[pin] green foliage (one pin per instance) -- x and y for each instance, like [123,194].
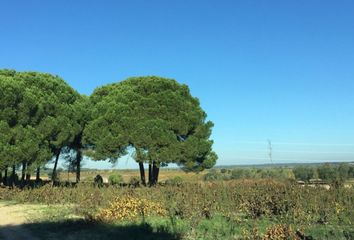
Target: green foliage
[177,181]
[238,173]
[327,172]
[35,115]
[40,115]
[157,117]
[212,175]
[115,179]
[248,173]
[304,173]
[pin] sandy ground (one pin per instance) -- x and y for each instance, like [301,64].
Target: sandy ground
[12,218]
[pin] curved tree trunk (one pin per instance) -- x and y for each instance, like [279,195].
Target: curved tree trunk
[142,173]
[54,173]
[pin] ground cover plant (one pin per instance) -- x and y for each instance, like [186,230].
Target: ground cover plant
[234,209]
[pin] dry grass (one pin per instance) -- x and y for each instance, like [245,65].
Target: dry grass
[127,174]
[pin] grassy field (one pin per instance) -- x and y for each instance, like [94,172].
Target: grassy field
[191,209]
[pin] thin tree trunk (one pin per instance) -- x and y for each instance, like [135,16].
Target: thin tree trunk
[28,177]
[0,177]
[54,173]
[38,174]
[13,175]
[153,173]
[150,174]
[23,172]
[157,174]
[5,175]
[78,164]
[142,173]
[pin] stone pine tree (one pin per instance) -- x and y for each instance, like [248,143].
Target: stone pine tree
[158,118]
[38,108]
[20,142]
[82,117]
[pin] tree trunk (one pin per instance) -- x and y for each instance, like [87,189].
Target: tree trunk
[23,172]
[150,174]
[13,175]
[38,174]
[142,173]
[54,173]
[78,164]
[0,177]
[155,174]
[5,176]
[28,177]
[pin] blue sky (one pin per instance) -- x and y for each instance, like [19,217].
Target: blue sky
[278,70]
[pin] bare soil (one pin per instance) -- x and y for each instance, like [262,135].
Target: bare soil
[12,219]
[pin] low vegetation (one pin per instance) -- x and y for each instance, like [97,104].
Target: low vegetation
[233,209]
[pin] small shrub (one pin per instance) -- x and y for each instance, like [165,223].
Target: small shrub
[212,175]
[279,232]
[98,180]
[130,208]
[237,173]
[115,179]
[176,181]
[134,182]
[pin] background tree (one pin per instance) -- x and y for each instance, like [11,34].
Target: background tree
[328,172]
[304,173]
[158,118]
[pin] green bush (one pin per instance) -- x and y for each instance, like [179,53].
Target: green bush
[115,179]
[212,175]
[175,181]
[237,173]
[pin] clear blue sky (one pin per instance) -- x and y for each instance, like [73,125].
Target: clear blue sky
[279,70]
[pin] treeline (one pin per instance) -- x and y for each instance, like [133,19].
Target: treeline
[329,173]
[249,173]
[154,119]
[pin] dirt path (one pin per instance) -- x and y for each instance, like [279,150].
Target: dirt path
[12,218]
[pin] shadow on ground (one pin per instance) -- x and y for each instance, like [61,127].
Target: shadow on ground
[80,229]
